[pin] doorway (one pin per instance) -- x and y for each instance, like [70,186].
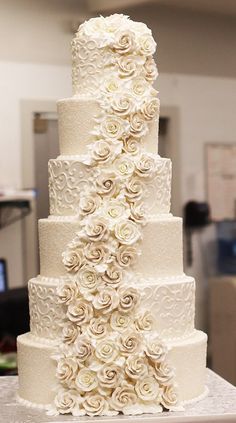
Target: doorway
[46,148]
[45,144]
[169,147]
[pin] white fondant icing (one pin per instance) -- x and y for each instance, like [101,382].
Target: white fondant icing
[161,246]
[162,249]
[171,302]
[69,179]
[76,120]
[37,381]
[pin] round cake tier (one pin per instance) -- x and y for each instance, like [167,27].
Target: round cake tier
[69,178]
[170,301]
[76,121]
[37,380]
[161,246]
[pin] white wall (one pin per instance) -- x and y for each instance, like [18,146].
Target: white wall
[20,81]
[37,31]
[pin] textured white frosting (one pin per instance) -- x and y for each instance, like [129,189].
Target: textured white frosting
[37,381]
[170,300]
[76,117]
[161,253]
[69,178]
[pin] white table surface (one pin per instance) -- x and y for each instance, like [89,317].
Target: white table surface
[218,406]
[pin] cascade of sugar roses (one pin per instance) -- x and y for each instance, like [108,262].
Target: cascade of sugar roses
[107,360]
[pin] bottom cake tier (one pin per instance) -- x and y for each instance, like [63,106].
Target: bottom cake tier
[37,369]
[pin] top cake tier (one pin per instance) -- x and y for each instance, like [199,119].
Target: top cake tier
[107,51]
[114,99]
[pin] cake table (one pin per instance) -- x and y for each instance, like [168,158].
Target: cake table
[218,406]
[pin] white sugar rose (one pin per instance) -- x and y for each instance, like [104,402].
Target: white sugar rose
[138,212]
[123,396]
[88,279]
[124,166]
[96,253]
[124,42]
[131,145]
[156,350]
[98,328]
[147,389]
[138,126]
[89,203]
[80,312]
[139,27]
[83,349]
[95,405]
[112,276]
[164,373]
[146,165]
[140,87]
[96,229]
[111,86]
[127,66]
[113,127]
[144,321]
[107,183]
[76,243]
[67,292]
[169,398]
[106,351]
[126,255]
[117,21]
[134,188]
[86,380]
[67,369]
[66,402]
[109,375]
[147,45]
[106,300]
[150,68]
[73,260]
[70,332]
[119,322]
[129,299]
[93,27]
[127,232]
[123,104]
[150,109]
[115,210]
[103,151]
[136,367]
[129,343]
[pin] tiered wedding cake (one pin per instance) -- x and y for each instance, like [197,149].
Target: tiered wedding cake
[112,313]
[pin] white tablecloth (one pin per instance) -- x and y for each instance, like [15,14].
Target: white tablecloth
[218,406]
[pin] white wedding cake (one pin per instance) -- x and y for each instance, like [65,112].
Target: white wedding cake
[111,313]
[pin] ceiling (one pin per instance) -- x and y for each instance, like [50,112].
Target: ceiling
[225,7]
